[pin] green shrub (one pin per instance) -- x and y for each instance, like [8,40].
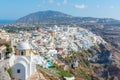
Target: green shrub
[64,73]
[9,72]
[85,51]
[55,66]
[84,73]
[87,63]
[9,48]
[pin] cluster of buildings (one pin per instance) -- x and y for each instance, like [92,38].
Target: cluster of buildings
[41,47]
[4,39]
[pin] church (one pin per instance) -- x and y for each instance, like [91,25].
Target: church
[21,62]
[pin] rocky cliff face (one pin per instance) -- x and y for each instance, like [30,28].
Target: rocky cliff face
[99,62]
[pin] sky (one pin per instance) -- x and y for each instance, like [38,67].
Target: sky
[14,9]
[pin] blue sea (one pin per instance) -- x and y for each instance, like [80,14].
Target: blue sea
[6,21]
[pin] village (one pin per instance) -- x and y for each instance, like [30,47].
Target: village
[22,52]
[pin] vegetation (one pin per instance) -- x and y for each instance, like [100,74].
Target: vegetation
[64,73]
[9,48]
[55,66]
[72,51]
[87,63]
[46,74]
[61,72]
[85,51]
[68,58]
[5,68]
[85,74]
[9,72]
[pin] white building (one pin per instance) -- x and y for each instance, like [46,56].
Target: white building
[22,62]
[2,52]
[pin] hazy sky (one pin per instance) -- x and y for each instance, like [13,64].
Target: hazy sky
[14,9]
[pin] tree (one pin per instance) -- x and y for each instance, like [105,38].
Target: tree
[9,72]
[9,48]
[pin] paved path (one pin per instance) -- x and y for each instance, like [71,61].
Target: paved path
[4,63]
[3,73]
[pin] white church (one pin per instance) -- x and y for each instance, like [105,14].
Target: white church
[21,62]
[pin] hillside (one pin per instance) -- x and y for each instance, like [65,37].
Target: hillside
[55,17]
[106,27]
[107,61]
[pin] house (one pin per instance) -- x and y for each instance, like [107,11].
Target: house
[39,60]
[59,50]
[52,33]
[5,38]
[3,74]
[22,63]
[41,31]
[2,52]
[74,64]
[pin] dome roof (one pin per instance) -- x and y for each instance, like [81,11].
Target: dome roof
[23,46]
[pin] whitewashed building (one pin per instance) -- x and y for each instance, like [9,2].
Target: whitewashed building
[22,63]
[2,52]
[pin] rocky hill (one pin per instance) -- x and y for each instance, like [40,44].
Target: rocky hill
[55,17]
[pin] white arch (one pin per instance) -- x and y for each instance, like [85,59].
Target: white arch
[22,66]
[22,58]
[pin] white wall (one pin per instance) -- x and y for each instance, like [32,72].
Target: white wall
[22,74]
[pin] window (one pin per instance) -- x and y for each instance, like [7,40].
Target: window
[18,71]
[0,55]
[22,53]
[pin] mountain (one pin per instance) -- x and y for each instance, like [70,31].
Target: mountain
[43,17]
[55,17]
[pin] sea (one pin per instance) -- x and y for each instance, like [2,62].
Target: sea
[6,21]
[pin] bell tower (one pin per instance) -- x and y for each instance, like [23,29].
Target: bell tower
[23,49]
